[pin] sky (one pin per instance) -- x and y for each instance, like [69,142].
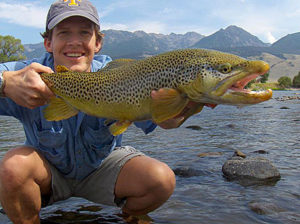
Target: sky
[269,20]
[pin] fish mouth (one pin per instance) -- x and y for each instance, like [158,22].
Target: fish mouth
[232,89]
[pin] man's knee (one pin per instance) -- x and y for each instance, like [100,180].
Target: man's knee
[143,177]
[17,166]
[13,169]
[162,179]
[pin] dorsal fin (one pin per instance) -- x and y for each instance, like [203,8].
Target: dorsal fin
[118,63]
[61,68]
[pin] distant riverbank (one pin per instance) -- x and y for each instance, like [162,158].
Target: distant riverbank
[270,85]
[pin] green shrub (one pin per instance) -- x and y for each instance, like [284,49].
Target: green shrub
[285,81]
[296,81]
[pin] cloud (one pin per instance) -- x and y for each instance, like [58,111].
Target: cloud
[26,14]
[267,21]
[271,39]
[148,27]
[113,26]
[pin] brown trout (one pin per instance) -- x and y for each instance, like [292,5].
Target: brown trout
[122,90]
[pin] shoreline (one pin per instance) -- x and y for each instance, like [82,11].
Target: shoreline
[271,85]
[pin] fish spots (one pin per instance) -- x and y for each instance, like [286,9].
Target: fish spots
[131,83]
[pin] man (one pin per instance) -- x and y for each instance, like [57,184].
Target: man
[77,156]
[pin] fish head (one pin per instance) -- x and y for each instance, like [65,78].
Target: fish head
[222,79]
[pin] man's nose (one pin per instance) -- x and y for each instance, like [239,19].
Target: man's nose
[75,40]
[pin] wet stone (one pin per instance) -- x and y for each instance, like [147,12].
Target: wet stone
[194,127]
[66,217]
[264,208]
[187,172]
[249,171]
[91,208]
[230,126]
[261,151]
[285,98]
[239,153]
[209,154]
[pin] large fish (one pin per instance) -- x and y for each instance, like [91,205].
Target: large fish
[122,90]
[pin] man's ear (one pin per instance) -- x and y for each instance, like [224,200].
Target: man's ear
[47,45]
[98,46]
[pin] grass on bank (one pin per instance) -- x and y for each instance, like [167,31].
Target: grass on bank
[264,86]
[269,85]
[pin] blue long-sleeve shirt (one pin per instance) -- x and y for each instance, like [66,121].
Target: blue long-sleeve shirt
[75,146]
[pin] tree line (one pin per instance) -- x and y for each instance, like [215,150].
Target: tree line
[287,82]
[11,49]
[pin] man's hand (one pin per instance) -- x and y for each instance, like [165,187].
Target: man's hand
[26,88]
[190,109]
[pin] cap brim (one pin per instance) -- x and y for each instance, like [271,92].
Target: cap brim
[66,15]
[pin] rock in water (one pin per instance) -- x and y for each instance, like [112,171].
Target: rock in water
[194,127]
[187,172]
[239,153]
[250,171]
[264,208]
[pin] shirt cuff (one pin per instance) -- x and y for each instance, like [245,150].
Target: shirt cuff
[146,126]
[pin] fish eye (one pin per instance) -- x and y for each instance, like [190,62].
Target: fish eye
[225,68]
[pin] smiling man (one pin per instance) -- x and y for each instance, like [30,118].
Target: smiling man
[76,157]
[74,45]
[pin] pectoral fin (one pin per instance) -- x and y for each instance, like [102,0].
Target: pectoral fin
[166,104]
[58,110]
[119,127]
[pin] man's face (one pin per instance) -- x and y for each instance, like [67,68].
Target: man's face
[73,44]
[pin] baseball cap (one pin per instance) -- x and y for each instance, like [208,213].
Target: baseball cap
[63,9]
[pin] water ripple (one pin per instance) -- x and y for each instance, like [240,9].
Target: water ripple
[209,197]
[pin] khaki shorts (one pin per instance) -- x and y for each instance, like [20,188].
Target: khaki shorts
[99,186]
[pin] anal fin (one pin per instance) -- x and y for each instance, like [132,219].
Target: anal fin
[119,127]
[58,109]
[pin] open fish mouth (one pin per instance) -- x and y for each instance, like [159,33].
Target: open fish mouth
[232,89]
[239,86]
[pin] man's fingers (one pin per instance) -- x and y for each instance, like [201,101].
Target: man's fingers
[39,68]
[47,93]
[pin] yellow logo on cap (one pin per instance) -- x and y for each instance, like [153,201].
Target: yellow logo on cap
[73,2]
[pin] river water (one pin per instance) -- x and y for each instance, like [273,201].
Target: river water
[206,196]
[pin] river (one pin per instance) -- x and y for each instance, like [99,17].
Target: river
[206,196]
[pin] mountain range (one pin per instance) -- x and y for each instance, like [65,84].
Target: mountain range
[233,39]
